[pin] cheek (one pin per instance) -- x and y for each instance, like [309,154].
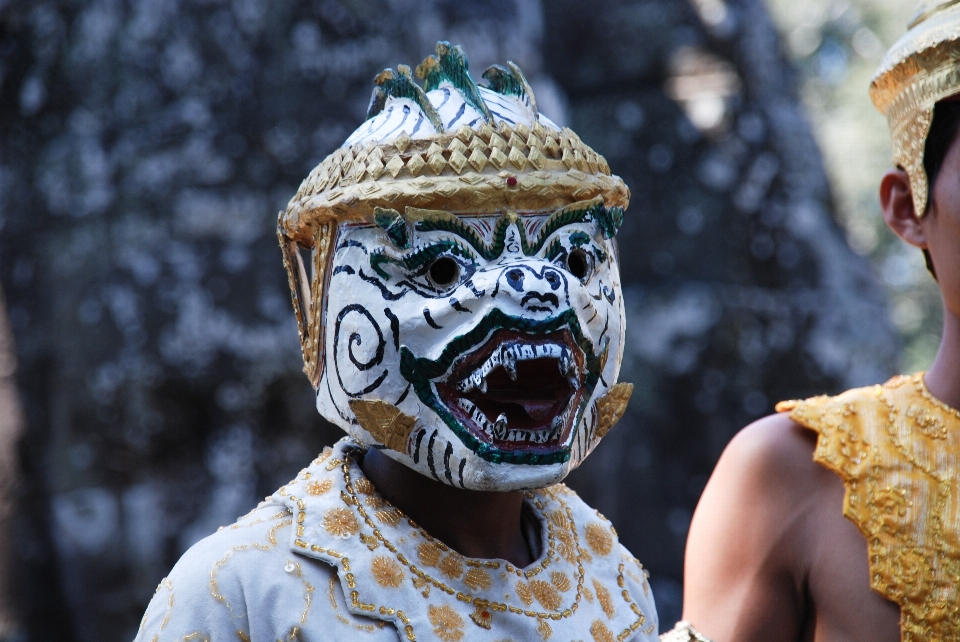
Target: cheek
[944,244]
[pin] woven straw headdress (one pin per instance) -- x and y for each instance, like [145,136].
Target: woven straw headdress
[448,145]
[921,68]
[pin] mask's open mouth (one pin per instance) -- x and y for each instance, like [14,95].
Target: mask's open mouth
[517,391]
[524,420]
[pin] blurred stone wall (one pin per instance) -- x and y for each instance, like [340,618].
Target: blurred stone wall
[146,145]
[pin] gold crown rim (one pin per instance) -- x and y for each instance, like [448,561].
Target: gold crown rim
[467,172]
[921,50]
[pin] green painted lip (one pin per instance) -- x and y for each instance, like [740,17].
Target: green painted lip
[421,372]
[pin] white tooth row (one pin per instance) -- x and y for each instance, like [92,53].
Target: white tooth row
[507,356]
[501,432]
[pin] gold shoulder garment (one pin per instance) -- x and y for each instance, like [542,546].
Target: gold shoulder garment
[897,449]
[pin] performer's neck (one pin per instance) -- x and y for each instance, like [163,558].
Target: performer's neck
[479,524]
[943,377]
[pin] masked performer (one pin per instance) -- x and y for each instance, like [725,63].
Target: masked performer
[839,519]
[463,322]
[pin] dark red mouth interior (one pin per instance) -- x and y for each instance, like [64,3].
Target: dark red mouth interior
[539,394]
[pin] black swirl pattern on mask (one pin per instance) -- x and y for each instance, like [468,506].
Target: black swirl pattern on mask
[362,327]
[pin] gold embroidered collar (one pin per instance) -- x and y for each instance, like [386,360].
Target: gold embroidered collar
[392,570]
[897,448]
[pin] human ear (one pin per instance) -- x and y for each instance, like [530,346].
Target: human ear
[896,202]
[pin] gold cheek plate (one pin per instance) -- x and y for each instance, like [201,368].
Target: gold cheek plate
[388,424]
[611,406]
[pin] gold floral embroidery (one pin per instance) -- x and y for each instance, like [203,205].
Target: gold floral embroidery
[546,594]
[524,593]
[561,580]
[482,616]
[389,516]
[420,582]
[477,579]
[600,632]
[429,554]
[319,486]
[386,572]
[891,506]
[897,448]
[566,546]
[340,523]
[451,566]
[928,424]
[599,539]
[559,519]
[603,596]
[363,486]
[587,593]
[375,502]
[447,625]
[544,629]
[371,542]
[432,553]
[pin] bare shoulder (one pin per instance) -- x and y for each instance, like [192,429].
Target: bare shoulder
[767,487]
[748,552]
[769,547]
[771,455]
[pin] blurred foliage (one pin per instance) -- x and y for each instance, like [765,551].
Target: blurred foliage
[837,46]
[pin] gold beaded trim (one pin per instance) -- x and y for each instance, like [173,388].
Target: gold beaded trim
[348,576]
[351,499]
[641,618]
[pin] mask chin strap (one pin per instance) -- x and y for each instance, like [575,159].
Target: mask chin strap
[307,293]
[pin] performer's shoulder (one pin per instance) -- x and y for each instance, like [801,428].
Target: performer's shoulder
[265,530]
[248,562]
[772,449]
[769,477]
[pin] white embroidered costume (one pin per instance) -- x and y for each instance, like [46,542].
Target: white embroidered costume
[326,558]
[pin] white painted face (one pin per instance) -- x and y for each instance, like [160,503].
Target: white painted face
[496,333]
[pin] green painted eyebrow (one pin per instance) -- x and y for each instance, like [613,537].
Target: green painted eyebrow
[609,221]
[420,258]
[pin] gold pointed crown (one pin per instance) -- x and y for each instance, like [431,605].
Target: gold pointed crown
[920,69]
[449,145]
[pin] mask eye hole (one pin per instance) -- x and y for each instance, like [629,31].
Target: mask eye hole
[444,272]
[577,263]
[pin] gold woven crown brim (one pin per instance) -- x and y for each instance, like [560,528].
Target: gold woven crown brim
[469,172]
[922,68]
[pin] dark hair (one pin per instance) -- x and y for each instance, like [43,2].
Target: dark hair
[943,131]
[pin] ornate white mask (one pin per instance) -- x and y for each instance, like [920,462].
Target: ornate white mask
[465,312]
